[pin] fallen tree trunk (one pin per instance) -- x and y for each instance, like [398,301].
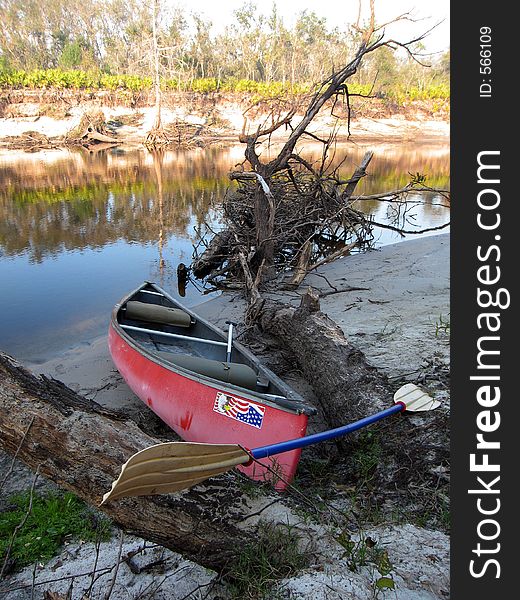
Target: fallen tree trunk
[81,446]
[347,387]
[411,450]
[214,255]
[92,134]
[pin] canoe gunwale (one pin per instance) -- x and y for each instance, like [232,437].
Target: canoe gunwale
[292,402]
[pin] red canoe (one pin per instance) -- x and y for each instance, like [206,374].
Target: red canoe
[177,363]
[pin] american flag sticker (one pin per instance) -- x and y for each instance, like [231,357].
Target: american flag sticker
[240,410]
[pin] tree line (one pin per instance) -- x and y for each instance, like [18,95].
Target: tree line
[114,37]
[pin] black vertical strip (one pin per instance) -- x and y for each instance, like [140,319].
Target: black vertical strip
[484,123]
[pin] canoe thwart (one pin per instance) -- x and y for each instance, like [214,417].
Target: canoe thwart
[175,336]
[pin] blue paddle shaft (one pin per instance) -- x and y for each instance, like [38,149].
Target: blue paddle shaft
[265,451]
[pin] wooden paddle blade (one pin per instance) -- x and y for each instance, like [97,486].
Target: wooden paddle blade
[415,399]
[173,466]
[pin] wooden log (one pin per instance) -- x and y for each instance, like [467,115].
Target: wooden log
[81,446]
[214,255]
[412,451]
[302,266]
[347,387]
[264,210]
[92,134]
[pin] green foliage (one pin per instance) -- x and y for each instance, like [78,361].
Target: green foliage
[443,325]
[256,49]
[273,556]
[385,583]
[315,479]
[63,78]
[364,552]
[72,79]
[366,456]
[52,519]
[71,55]
[49,78]
[4,64]
[132,83]
[204,86]
[401,95]
[359,88]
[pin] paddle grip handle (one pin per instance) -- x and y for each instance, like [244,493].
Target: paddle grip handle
[265,451]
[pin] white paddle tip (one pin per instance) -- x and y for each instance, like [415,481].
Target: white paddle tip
[415,399]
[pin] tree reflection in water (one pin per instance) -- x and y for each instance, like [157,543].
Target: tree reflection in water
[79,229]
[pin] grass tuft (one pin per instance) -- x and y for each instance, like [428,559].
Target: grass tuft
[275,555]
[53,519]
[366,456]
[366,552]
[443,325]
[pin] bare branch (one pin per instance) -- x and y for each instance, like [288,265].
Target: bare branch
[116,566]
[403,232]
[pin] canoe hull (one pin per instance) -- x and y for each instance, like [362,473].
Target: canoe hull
[201,412]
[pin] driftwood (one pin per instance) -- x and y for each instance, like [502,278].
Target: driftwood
[91,128]
[283,222]
[316,184]
[287,208]
[346,386]
[92,134]
[411,450]
[81,446]
[214,255]
[359,173]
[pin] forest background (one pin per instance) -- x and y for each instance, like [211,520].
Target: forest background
[108,44]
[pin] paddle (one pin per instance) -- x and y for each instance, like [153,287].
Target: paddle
[175,466]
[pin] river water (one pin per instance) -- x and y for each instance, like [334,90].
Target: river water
[78,229]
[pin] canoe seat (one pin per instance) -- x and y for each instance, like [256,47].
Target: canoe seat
[153,313]
[234,373]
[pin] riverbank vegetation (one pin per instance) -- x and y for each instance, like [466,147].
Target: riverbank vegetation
[96,80]
[107,45]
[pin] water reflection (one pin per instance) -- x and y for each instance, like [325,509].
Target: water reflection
[71,204]
[79,229]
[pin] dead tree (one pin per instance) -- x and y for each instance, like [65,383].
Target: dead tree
[286,207]
[347,387]
[91,129]
[156,136]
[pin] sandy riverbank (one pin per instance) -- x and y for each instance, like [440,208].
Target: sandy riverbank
[221,123]
[400,294]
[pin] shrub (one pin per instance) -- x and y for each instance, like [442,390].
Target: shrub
[80,79]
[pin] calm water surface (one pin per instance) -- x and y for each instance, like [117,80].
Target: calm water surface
[80,230]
